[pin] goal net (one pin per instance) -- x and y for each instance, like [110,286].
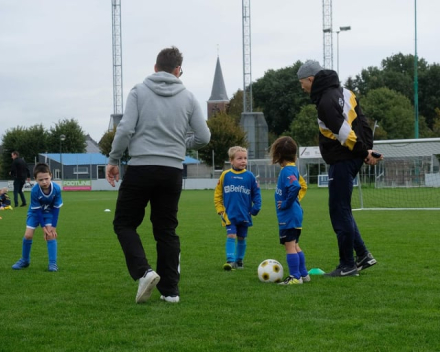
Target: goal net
[407,178]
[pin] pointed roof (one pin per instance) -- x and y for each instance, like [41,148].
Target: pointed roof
[218,92]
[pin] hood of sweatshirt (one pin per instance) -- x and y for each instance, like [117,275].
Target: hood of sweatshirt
[324,80]
[164,84]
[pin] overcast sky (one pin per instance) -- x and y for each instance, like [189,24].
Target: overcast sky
[56,55]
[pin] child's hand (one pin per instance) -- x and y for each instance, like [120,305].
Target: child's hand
[279,204]
[50,232]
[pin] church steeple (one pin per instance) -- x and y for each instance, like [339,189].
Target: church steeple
[219,98]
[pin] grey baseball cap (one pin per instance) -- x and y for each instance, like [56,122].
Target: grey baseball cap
[309,68]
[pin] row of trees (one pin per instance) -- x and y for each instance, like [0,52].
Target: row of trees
[386,95]
[35,140]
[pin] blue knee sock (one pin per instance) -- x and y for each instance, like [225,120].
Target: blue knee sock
[26,250]
[241,249]
[230,249]
[302,264]
[52,251]
[293,264]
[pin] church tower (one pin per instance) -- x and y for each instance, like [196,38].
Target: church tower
[219,98]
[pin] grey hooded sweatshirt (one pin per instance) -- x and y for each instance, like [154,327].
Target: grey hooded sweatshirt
[158,116]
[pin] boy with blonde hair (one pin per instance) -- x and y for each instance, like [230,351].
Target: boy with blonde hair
[5,202]
[237,197]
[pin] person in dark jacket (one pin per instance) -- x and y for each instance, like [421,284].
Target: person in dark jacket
[20,173]
[345,143]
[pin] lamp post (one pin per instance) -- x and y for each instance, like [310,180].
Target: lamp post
[62,139]
[341,29]
[416,82]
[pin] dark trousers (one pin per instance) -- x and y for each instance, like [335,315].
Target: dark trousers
[340,186]
[161,187]
[18,190]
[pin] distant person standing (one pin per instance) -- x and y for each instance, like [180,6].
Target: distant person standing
[20,173]
[158,116]
[345,143]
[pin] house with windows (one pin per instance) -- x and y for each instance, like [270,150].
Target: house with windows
[75,166]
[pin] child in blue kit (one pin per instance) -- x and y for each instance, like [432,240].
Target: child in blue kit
[237,197]
[44,210]
[5,202]
[291,188]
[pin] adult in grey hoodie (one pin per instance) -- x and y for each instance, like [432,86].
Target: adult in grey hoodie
[162,119]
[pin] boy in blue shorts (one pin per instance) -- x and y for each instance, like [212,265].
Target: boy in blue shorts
[237,197]
[44,210]
[291,188]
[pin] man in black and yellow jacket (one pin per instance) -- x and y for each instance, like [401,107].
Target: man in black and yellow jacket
[345,143]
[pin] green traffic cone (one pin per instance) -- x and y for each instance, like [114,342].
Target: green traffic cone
[316,271]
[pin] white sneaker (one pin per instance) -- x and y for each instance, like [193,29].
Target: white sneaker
[170,299]
[306,278]
[146,286]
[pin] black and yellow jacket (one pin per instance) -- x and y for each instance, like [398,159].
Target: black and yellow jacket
[343,129]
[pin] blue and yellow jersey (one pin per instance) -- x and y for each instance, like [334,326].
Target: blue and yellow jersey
[237,196]
[291,188]
[4,200]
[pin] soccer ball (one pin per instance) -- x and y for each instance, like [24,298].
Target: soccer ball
[270,270]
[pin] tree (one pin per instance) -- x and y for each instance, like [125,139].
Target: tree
[397,73]
[436,124]
[105,145]
[235,106]
[369,79]
[75,141]
[29,142]
[429,93]
[278,93]
[393,112]
[225,133]
[304,129]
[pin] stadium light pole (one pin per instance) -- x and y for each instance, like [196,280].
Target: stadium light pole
[416,83]
[62,139]
[341,29]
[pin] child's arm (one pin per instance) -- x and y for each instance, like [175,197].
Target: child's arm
[218,196]
[303,189]
[256,198]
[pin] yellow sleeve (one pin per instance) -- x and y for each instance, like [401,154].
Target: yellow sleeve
[303,189]
[218,195]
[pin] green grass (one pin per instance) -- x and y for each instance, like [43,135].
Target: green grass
[89,304]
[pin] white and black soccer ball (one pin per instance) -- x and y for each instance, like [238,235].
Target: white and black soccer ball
[270,270]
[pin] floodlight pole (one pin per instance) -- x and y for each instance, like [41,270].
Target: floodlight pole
[416,83]
[341,29]
[62,139]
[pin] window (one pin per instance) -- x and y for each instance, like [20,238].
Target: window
[80,170]
[101,172]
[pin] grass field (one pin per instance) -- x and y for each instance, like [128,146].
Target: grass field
[89,304]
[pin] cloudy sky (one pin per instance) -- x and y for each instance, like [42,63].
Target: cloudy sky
[56,55]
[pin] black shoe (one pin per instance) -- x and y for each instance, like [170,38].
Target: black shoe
[343,271]
[239,264]
[23,205]
[365,262]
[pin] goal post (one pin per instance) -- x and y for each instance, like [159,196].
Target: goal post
[407,178]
